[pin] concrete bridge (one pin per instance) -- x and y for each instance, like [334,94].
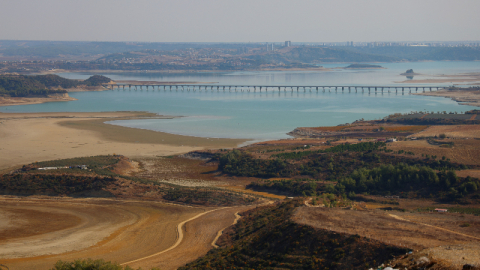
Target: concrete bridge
[274,88]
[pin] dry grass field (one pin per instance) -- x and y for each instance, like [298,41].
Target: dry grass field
[451,131]
[419,231]
[178,171]
[466,151]
[371,128]
[37,231]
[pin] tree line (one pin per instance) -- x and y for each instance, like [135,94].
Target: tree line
[326,164]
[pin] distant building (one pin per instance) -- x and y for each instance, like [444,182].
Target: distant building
[441,210]
[242,50]
[269,47]
[288,43]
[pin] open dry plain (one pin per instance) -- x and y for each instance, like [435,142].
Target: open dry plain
[451,131]
[37,232]
[465,151]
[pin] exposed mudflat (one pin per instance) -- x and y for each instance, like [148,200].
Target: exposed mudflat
[114,230]
[36,232]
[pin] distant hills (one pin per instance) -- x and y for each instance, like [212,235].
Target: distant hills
[303,54]
[27,57]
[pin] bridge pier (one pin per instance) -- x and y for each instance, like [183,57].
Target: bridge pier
[243,88]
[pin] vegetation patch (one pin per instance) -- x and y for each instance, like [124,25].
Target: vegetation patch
[90,264]
[48,184]
[100,180]
[329,165]
[408,181]
[207,197]
[266,238]
[43,85]
[358,147]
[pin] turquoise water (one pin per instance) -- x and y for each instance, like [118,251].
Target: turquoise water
[386,77]
[261,116]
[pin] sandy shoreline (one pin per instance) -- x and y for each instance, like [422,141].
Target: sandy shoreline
[12,101]
[472,78]
[463,97]
[31,137]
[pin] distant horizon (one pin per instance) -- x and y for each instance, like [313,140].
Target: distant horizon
[247,42]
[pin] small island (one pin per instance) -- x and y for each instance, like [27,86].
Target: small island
[363,66]
[410,72]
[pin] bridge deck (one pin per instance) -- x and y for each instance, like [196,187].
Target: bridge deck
[195,87]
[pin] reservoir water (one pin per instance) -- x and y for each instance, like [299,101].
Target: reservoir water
[262,116]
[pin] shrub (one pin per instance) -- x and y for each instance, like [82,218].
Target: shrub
[90,264]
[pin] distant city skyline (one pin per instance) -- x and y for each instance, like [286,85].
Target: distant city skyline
[241,21]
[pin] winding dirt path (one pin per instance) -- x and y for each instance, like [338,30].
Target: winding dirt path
[237,217]
[197,239]
[179,238]
[436,227]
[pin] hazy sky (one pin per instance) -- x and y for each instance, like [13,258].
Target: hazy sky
[240,20]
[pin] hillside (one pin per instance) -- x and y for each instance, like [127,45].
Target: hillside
[267,238]
[96,177]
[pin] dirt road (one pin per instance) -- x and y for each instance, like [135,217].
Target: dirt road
[199,234]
